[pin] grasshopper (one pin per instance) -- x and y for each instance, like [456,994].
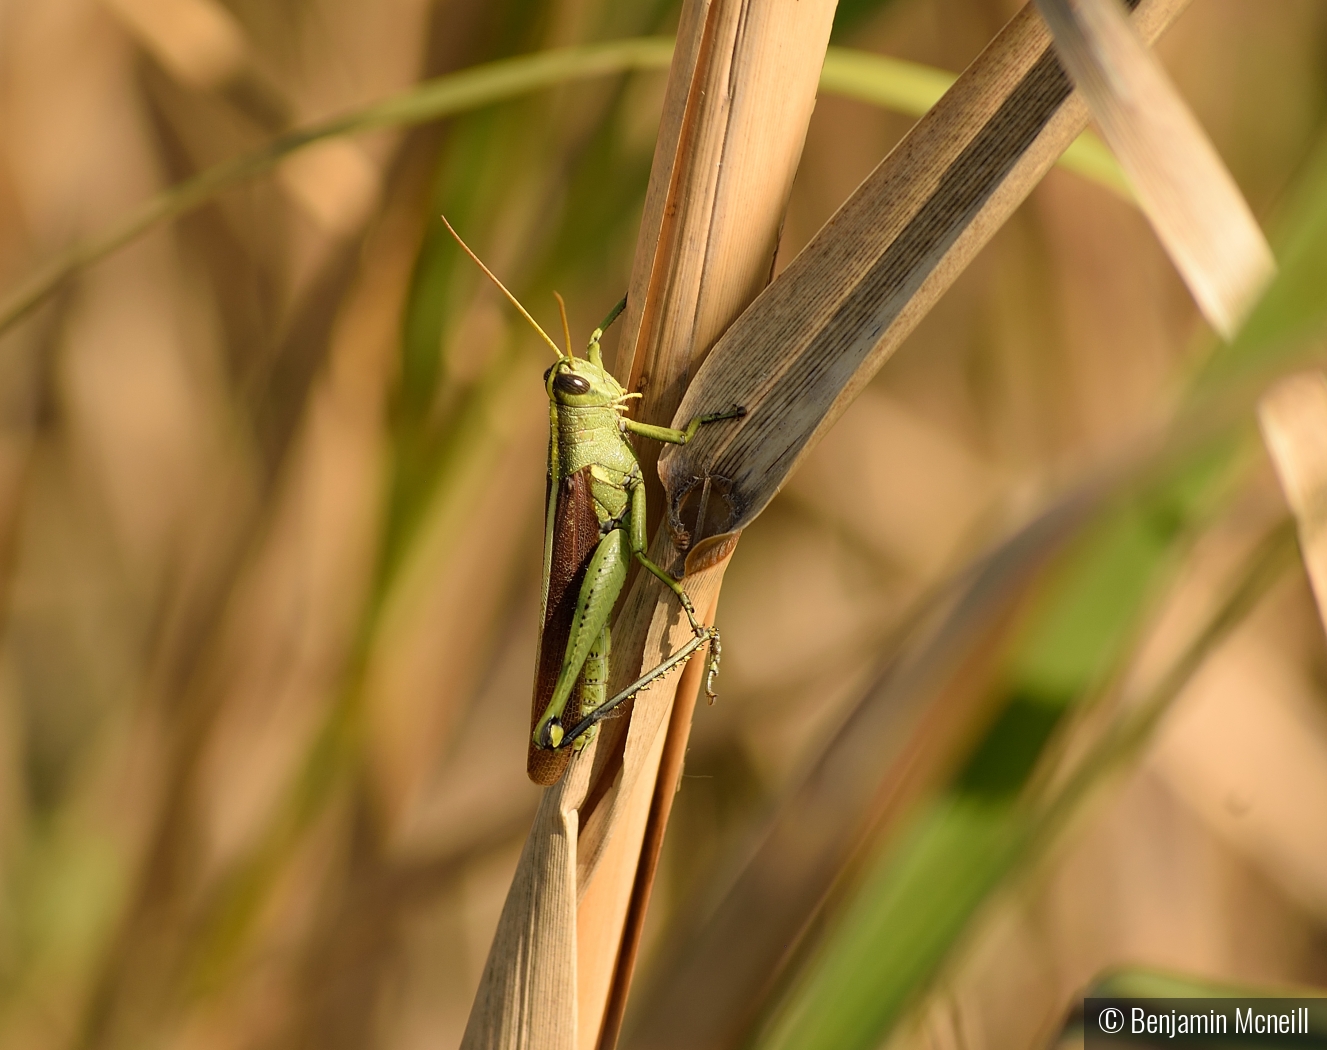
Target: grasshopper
[594,526]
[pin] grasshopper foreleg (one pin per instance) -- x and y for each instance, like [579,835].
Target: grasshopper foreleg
[680,437]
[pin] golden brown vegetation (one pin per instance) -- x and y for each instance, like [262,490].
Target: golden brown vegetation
[270,496]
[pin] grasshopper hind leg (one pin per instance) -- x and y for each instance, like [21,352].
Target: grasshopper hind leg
[604,576]
[594,683]
[706,635]
[701,632]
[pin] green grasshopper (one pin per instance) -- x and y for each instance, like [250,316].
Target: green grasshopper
[594,525]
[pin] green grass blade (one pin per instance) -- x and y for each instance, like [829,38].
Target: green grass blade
[444,96]
[1292,314]
[911,906]
[852,13]
[892,83]
[907,87]
[1091,158]
[912,927]
[919,895]
[1136,982]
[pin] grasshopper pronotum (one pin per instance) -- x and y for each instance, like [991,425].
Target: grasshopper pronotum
[594,525]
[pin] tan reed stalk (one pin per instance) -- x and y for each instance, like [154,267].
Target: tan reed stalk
[739,99]
[671,761]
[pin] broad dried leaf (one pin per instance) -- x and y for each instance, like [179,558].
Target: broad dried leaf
[804,349]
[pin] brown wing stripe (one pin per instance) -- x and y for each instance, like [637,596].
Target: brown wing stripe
[575,536]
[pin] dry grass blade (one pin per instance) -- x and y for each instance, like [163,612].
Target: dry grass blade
[1182,185]
[530,1000]
[799,355]
[1293,419]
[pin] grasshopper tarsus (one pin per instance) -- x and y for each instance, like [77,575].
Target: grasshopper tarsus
[690,610]
[733,411]
[712,665]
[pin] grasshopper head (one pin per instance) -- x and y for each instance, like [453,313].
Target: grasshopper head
[582,383]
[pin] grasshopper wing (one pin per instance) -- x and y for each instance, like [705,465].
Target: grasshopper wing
[575,535]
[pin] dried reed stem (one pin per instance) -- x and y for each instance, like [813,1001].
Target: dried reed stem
[738,102]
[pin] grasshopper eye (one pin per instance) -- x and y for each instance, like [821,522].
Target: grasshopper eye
[569,383]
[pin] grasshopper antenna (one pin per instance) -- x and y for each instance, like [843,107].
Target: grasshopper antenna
[503,288]
[566,328]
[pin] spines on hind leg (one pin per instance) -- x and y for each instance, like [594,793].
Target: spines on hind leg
[594,684]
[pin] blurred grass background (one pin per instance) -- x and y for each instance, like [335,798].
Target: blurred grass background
[270,508]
